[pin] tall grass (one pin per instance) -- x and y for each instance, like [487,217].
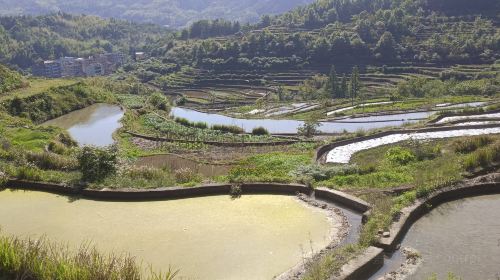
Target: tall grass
[228,128]
[43,260]
[469,145]
[52,161]
[483,157]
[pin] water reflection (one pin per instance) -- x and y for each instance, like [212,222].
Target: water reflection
[93,125]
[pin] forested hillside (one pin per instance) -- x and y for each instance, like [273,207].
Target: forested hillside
[173,13]
[25,40]
[356,32]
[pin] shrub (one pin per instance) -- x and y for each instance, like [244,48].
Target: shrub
[159,101]
[67,140]
[201,125]
[321,173]
[480,158]
[235,191]
[400,155]
[145,172]
[260,131]
[186,122]
[228,128]
[187,175]
[57,147]
[29,172]
[96,164]
[360,132]
[48,160]
[183,121]
[3,179]
[309,129]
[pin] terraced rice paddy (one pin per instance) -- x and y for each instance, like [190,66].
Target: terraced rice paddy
[344,153]
[206,238]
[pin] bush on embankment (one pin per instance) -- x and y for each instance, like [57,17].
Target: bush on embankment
[10,80]
[186,122]
[260,131]
[42,260]
[55,102]
[228,128]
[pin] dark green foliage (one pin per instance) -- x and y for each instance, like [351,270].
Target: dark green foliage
[309,128]
[260,131]
[483,157]
[26,40]
[228,128]
[10,80]
[96,164]
[400,156]
[159,101]
[211,28]
[351,33]
[54,102]
[186,122]
[355,86]
[423,87]
[52,161]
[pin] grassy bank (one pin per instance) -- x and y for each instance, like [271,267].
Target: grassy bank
[43,260]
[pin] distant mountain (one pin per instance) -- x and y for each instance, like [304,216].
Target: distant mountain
[174,13]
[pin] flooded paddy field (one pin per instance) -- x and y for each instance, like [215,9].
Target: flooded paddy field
[206,238]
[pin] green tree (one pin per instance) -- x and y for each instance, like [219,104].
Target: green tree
[386,47]
[332,85]
[355,83]
[309,128]
[344,87]
[96,164]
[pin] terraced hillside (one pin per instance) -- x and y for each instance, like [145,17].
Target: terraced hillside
[389,44]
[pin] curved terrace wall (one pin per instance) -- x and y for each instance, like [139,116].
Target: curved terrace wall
[363,265]
[423,206]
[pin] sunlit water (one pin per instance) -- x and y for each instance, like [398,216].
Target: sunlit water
[291,126]
[461,237]
[93,125]
[254,237]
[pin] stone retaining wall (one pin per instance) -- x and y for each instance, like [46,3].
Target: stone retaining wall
[363,265]
[162,193]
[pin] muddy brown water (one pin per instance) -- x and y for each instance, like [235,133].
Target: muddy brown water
[254,237]
[93,125]
[174,163]
[462,237]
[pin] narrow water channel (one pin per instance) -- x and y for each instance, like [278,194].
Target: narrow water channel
[93,125]
[206,238]
[461,237]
